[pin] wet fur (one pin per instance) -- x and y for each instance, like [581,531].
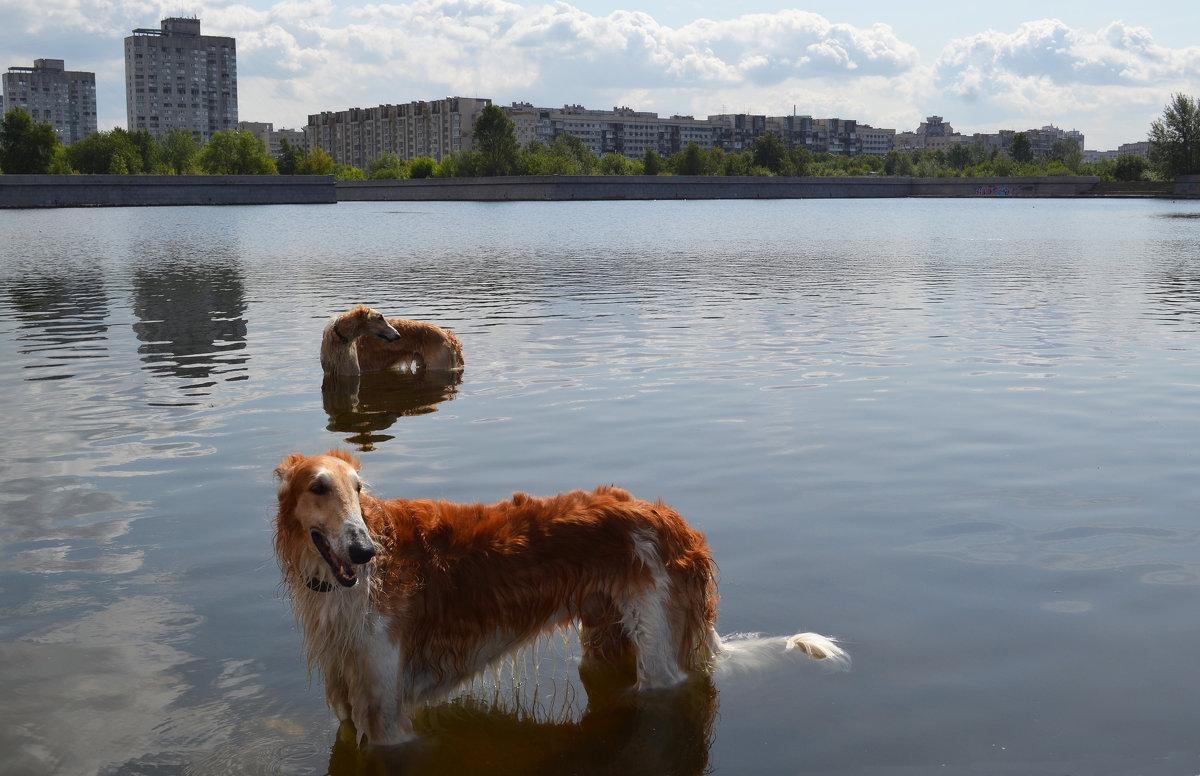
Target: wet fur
[450,589]
[363,340]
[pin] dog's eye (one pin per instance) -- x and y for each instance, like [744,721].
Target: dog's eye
[358,486]
[318,488]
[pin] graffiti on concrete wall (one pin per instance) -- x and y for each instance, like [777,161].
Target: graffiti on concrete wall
[992,190]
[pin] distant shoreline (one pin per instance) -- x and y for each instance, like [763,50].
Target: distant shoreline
[55,191]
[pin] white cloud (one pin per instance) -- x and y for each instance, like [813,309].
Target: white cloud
[1045,71]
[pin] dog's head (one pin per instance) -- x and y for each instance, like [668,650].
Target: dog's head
[320,514]
[362,321]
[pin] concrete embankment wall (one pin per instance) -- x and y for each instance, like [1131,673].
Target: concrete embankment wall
[641,187]
[1187,186]
[32,191]
[35,191]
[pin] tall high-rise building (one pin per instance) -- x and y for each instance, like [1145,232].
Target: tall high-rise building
[51,94]
[176,77]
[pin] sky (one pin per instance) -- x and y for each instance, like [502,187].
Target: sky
[1106,69]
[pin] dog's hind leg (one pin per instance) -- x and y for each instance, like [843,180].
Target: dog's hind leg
[601,634]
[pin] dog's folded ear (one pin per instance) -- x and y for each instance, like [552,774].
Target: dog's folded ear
[284,470]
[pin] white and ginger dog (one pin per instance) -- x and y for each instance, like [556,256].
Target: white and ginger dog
[400,602]
[363,340]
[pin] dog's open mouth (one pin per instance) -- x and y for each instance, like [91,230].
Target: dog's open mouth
[342,571]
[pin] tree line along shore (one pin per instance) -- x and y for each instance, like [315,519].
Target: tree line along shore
[30,148]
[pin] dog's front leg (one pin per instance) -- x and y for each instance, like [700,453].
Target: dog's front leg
[385,722]
[385,725]
[337,695]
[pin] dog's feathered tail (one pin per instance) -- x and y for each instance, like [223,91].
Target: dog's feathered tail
[753,651]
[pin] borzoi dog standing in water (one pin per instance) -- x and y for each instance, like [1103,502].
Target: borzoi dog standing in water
[401,602]
[362,340]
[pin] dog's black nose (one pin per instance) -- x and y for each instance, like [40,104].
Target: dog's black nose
[361,553]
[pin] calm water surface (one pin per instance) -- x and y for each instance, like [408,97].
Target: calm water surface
[963,436]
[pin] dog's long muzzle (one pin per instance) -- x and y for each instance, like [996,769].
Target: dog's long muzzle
[359,550]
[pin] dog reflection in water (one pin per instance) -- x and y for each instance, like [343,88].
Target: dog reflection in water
[364,405]
[606,728]
[402,602]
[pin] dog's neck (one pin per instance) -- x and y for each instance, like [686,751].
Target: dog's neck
[339,353]
[318,585]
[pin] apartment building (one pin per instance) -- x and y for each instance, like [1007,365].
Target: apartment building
[621,130]
[832,136]
[1041,141]
[177,78]
[1140,148]
[51,94]
[876,141]
[837,136]
[358,136]
[736,132]
[934,134]
[270,137]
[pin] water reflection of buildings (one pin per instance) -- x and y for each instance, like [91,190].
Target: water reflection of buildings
[191,320]
[63,319]
[363,405]
[618,732]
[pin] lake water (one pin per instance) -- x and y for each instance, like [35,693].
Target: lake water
[960,435]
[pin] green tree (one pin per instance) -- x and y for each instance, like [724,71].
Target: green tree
[387,166]
[421,167]
[1130,167]
[60,164]
[614,164]
[1175,138]
[737,164]
[898,163]
[177,152]
[1067,151]
[235,152]
[1021,149]
[1002,165]
[496,142]
[460,164]
[570,148]
[770,152]
[652,163]
[690,161]
[289,157]
[315,162]
[146,149]
[537,159]
[106,152]
[801,159]
[25,147]
[959,156]
[714,161]
[927,166]
[347,172]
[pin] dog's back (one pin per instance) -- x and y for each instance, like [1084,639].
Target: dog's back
[424,344]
